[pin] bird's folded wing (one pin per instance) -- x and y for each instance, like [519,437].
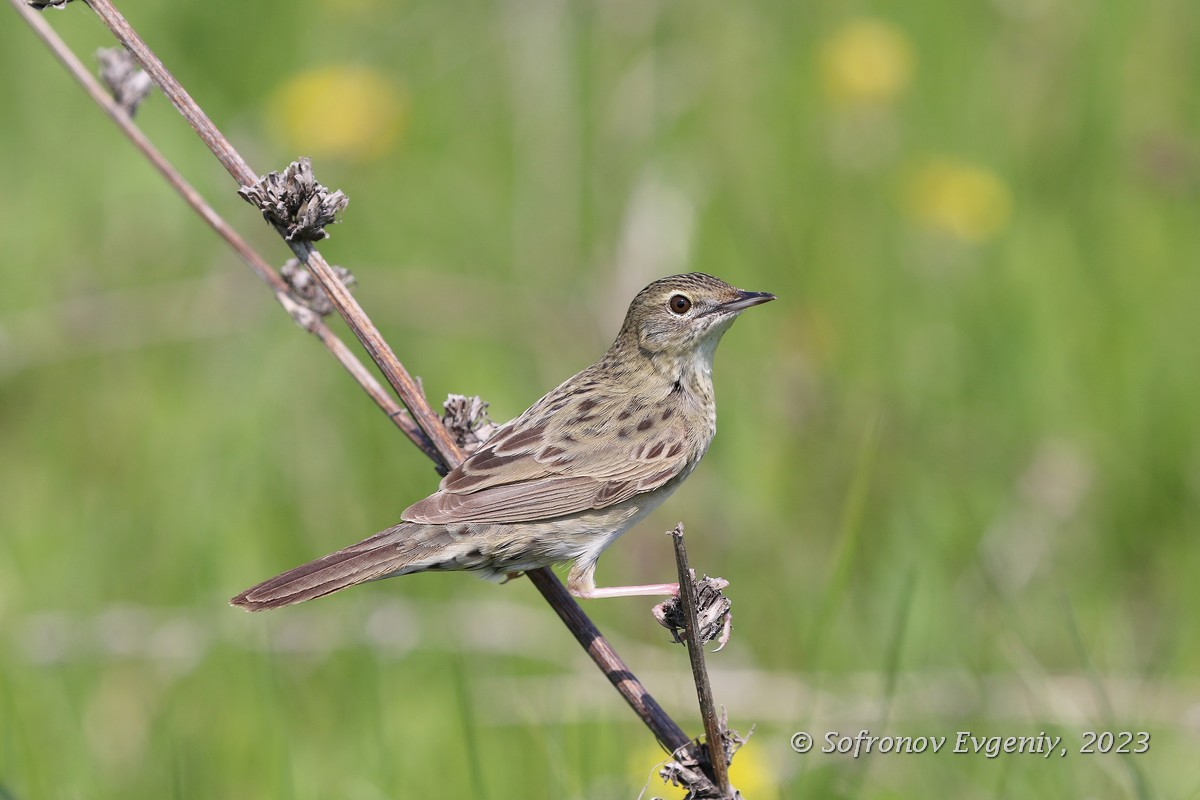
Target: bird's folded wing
[530,471]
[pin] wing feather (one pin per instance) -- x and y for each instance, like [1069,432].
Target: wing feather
[570,452]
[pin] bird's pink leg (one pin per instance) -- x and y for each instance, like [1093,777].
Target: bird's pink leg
[670,589]
[582,584]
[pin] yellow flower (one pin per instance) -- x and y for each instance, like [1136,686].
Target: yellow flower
[346,112]
[959,199]
[866,61]
[749,773]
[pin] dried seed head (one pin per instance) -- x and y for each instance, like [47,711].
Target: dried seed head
[296,202]
[467,420]
[304,289]
[687,768]
[126,81]
[714,619]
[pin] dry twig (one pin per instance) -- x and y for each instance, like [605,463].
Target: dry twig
[259,265]
[715,768]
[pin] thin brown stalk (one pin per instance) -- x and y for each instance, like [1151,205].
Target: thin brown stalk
[449,453]
[307,319]
[713,740]
[366,332]
[443,450]
[669,734]
[183,102]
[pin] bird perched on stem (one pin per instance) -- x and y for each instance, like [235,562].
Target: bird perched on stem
[564,479]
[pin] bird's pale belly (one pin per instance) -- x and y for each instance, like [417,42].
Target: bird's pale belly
[495,551]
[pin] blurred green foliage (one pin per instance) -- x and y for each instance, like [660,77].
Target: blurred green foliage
[956,481]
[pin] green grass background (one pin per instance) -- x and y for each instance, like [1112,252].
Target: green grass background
[955,485]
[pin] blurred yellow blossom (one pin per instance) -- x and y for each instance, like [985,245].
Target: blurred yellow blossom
[866,61]
[342,111]
[749,773]
[962,200]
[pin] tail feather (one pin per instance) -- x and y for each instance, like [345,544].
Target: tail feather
[398,550]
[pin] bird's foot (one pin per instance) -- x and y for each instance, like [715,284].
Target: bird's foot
[595,592]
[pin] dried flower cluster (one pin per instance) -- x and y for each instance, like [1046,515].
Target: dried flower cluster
[687,769]
[467,420]
[304,289]
[714,619]
[295,202]
[128,83]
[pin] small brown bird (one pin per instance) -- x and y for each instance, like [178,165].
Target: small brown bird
[580,467]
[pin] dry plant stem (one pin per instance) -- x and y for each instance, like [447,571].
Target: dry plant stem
[381,353]
[139,139]
[183,102]
[708,711]
[236,166]
[670,735]
[310,321]
[443,451]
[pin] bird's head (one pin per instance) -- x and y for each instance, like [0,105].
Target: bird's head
[685,315]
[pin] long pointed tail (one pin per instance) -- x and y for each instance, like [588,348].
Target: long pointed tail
[403,548]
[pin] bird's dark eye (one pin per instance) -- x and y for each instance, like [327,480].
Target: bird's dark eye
[679,304]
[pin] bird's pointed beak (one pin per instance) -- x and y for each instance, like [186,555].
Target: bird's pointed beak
[746,299]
